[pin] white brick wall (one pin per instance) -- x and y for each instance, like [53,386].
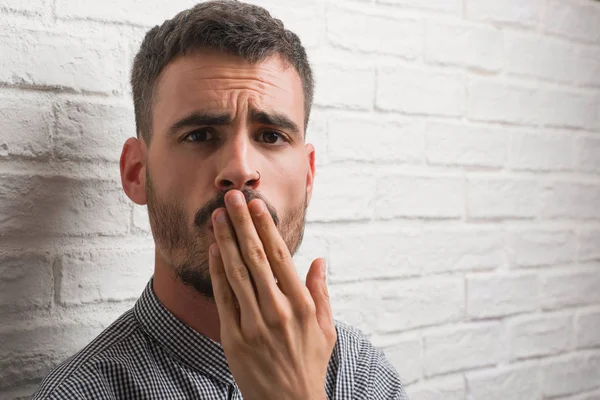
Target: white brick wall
[457,198]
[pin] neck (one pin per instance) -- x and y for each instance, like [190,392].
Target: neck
[185,303]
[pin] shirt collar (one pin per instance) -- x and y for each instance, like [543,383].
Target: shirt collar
[187,345]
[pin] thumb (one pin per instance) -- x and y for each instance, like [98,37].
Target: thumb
[317,286]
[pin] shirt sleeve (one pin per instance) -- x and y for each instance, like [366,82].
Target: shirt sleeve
[377,377]
[385,382]
[77,386]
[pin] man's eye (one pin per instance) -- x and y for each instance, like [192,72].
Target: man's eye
[271,137]
[200,135]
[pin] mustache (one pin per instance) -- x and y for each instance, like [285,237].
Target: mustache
[204,214]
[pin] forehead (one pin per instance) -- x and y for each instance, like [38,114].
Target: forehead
[210,80]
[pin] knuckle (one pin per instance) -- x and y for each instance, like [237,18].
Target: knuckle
[281,255]
[306,309]
[256,253]
[331,334]
[253,335]
[279,318]
[240,273]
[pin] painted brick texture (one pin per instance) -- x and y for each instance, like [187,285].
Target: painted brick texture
[457,196]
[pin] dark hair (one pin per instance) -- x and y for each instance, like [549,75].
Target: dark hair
[229,26]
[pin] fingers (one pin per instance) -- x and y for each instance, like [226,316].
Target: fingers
[250,245]
[224,297]
[317,286]
[235,269]
[276,250]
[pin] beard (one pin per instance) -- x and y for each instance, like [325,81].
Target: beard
[184,244]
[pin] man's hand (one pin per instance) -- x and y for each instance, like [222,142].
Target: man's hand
[279,341]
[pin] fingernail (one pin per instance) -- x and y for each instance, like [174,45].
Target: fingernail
[236,199]
[324,270]
[214,250]
[259,207]
[221,217]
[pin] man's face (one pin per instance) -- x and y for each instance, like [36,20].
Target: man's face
[217,120]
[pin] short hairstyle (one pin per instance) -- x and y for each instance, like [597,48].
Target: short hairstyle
[229,26]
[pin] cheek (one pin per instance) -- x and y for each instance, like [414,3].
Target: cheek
[295,184]
[181,183]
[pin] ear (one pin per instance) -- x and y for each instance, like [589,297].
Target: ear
[133,170]
[310,174]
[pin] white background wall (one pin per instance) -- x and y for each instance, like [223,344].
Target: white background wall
[457,195]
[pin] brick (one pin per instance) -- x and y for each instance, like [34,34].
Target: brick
[25,127]
[576,20]
[317,134]
[128,11]
[405,354]
[463,347]
[540,335]
[570,288]
[589,245]
[35,350]
[457,144]
[420,91]
[494,295]
[56,60]
[498,101]
[570,200]
[104,275]
[417,196]
[447,6]
[355,303]
[23,392]
[352,255]
[588,151]
[305,19]
[588,65]
[570,374]
[505,11]
[363,32]
[452,250]
[313,245]
[31,6]
[518,382]
[433,300]
[551,58]
[91,131]
[467,45]
[407,253]
[501,198]
[447,388]
[25,282]
[141,222]
[542,247]
[335,196]
[71,206]
[333,89]
[593,395]
[387,141]
[541,151]
[587,328]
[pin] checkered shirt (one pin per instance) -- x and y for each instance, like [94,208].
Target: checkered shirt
[149,354]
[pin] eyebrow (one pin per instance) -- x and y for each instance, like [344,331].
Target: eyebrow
[274,119]
[206,118]
[198,118]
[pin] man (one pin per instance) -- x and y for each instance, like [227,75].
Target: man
[222,96]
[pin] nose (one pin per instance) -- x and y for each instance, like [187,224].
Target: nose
[236,171]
